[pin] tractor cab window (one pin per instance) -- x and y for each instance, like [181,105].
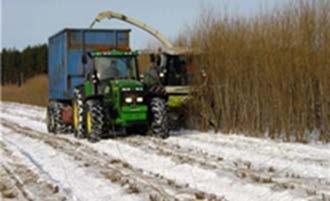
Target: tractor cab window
[176,71]
[116,68]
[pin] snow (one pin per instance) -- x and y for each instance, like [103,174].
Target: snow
[201,179]
[306,166]
[264,154]
[72,178]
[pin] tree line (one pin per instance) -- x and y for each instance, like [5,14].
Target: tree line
[18,66]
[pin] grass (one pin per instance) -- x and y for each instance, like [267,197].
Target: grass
[34,91]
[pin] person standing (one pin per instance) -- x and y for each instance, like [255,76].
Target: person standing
[151,76]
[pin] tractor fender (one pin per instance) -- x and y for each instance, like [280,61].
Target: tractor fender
[156,91]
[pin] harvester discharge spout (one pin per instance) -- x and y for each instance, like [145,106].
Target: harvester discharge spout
[114,15]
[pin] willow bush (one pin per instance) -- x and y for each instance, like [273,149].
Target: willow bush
[268,74]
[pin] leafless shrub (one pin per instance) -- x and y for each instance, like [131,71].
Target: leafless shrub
[269,74]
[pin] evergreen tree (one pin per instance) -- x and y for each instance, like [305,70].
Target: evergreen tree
[17,66]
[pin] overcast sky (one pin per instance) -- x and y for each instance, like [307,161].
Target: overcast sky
[30,22]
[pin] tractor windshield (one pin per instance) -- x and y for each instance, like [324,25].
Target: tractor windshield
[178,71]
[116,67]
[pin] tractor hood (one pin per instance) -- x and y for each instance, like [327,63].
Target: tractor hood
[127,85]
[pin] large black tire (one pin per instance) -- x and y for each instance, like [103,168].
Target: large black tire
[95,120]
[50,121]
[159,118]
[54,120]
[79,127]
[60,126]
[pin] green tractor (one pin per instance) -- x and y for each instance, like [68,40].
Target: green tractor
[176,67]
[113,101]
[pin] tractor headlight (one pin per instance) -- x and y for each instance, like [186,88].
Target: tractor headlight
[128,100]
[139,99]
[126,89]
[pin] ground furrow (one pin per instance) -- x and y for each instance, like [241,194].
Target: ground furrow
[33,186]
[288,151]
[242,170]
[283,166]
[73,174]
[10,190]
[208,180]
[118,171]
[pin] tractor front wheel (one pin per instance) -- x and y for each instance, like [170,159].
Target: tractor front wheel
[95,120]
[159,118]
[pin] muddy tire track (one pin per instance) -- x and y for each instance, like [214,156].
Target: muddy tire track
[285,152]
[24,114]
[31,186]
[239,169]
[117,171]
[9,188]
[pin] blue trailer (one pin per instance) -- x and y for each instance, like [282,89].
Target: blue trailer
[66,48]
[66,70]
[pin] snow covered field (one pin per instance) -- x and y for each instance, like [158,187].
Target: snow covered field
[35,165]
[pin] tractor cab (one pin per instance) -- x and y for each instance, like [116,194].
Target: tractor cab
[113,65]
[176,70]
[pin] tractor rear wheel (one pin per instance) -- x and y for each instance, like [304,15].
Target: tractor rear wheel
[159,118]
[79,127]
[95,120]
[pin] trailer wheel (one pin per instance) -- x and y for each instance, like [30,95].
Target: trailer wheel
[79,128]
[50,119]
[59,125]
[159,118]
[95,120]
